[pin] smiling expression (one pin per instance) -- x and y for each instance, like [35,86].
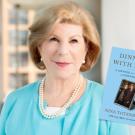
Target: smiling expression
[64,50]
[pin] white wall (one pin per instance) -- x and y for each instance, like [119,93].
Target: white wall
[118,28]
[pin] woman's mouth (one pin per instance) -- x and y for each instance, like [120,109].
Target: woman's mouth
[62,64]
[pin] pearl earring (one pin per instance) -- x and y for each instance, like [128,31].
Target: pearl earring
[41,59]
[83,61]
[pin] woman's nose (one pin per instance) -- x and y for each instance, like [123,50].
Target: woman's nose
[63,49]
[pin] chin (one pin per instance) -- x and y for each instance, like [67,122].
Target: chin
[65,75]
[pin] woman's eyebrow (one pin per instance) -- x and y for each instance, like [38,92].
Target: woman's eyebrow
[80,36]
[53,35]
[73,36]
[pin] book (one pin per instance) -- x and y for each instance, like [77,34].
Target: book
[119,89]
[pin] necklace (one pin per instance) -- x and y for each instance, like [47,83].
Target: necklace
[64,107]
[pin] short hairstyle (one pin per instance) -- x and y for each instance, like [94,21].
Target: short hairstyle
[64,12]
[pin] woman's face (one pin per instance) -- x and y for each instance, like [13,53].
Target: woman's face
[63,52]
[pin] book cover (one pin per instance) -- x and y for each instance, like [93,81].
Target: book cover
[119,90]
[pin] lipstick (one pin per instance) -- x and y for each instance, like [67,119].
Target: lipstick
[62,64]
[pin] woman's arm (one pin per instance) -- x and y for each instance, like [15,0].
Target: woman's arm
[5,113]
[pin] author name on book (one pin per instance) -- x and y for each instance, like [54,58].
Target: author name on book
[120,113]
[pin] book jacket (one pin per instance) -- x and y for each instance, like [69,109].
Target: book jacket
[119,90]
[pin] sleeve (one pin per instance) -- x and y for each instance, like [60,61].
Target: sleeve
[6,109]
[118,129]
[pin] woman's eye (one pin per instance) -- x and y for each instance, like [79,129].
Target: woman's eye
[54,39]
[74,41]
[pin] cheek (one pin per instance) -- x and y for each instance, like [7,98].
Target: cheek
[78,57]
[81,53]
[46,52]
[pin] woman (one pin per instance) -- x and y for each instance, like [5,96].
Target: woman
[64,42]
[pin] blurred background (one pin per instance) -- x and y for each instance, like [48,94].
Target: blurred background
[115,20]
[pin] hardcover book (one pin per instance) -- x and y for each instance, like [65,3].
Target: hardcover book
[119,90]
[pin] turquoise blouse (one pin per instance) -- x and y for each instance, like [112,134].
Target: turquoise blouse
[21,116]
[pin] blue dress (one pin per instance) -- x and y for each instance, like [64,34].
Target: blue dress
[21,116]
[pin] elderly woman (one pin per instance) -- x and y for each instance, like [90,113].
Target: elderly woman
[64,42]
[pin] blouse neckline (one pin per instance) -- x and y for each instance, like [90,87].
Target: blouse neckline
[77,103]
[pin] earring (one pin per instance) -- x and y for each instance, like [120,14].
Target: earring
[83,61]
[41,59]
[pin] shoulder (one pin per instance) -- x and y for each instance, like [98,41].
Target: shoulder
[16,101]
[24,92]
[95,92]
[19,97]
[96,88]
[96,85]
